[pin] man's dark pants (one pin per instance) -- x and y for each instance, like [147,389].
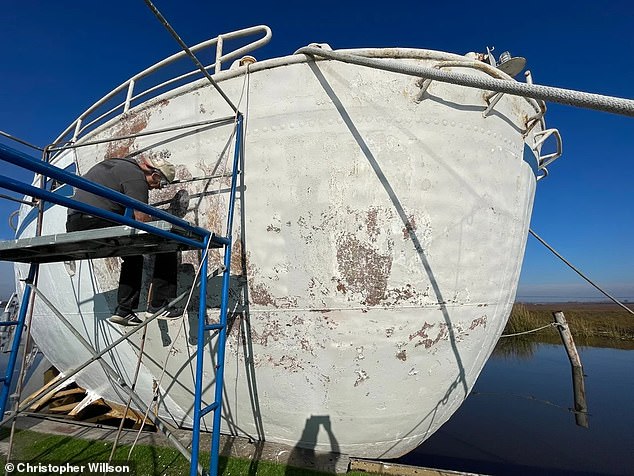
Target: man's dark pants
[131,277]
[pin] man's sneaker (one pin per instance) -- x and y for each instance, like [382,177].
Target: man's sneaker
[130,319]
[164,313]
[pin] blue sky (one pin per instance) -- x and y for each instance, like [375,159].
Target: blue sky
[59,57]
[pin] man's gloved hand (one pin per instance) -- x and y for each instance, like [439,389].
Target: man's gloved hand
[179,203]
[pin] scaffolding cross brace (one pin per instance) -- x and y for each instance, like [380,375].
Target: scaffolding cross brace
[180,233]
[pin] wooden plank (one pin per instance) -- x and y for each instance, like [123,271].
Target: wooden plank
[383,467]
[47,397]
[70,392]
[63,408]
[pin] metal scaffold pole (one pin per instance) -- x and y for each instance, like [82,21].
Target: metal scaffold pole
[221,327]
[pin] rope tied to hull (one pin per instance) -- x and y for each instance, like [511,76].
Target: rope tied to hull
[552,324]
[570,97]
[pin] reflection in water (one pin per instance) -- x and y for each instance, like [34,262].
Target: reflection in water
[515,347]
[579,396]
[525,348]
[306,455]
[518,418]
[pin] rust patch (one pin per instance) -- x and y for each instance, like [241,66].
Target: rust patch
[315,286]
[305,345]
[214,214]
[260,295]
[341,287]
[130,124]
[398,295]
[287,363]
[237,266]
[480,321]
[332,324]
[371,224]
[426,340]
[364,269]
[271,331]
[410,227]
[402,355]
[285,302]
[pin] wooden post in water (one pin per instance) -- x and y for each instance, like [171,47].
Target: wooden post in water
[566,337]
[578,385]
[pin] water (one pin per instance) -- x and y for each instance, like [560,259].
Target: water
[518,419]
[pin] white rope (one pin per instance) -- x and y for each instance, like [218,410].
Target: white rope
[552,324]
[547,93]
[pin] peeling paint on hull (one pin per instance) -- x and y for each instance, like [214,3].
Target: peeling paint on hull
[380,246]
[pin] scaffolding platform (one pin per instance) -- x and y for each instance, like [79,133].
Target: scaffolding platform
[119,240]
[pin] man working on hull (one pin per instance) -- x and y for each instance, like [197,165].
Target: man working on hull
[134,178]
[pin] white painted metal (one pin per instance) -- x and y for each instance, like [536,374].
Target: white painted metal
[383,239]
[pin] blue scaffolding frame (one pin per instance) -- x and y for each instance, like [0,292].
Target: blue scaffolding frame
[194,238]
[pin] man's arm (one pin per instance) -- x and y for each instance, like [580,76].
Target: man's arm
[137,188]
[144,217]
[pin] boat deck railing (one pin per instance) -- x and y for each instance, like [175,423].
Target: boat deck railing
[112,104]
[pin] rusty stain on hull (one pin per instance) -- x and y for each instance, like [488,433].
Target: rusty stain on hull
[426,340]
[480,321]
[237,264]
[372,224]
[129,125]
[410,228]
[260,295]
[364,269]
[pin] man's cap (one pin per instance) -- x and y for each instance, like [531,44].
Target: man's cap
[163,166]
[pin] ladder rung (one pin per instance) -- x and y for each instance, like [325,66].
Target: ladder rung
[212,327]
[208,409]
[8,323]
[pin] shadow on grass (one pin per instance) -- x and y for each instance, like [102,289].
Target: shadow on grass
[145,460]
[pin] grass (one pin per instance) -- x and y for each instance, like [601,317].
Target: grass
[147,460]
[592,324]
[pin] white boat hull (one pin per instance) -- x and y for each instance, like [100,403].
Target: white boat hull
[382,240]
